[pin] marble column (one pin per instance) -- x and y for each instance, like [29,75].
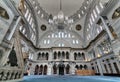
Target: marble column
[113,68]
[49,71]
[99,67]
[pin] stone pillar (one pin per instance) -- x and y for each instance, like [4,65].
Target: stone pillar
[99,67]
[65,70]
[72,68]
[71,57]
[113,68]
[108,68]
[50,56]
[49,71]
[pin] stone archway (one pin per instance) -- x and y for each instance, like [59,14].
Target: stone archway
[68,69]
[75,55]
[67,55]
[36,70]
[81,67]
[61,69]
[45,70]
[47,56]
[54,69]
[55,55]
[41,70]
[63,55]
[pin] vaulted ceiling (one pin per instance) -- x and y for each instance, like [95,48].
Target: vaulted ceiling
[69,7]
[62,39]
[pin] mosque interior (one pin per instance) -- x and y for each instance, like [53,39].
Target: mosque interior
[59,37]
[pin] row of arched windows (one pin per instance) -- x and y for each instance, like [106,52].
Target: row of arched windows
[80,67]
[41,70]
[43,56]
[61,55]
[79,56]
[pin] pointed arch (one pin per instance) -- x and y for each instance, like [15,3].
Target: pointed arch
[77,67]
[75,55]
[47,56]
[63,54]
[85,67]
[45,70]
[81,66]
[41,70]
[39,56]
[68,69]
[36,70]
[59,55]
[83,55]
[55,55]
[67,55]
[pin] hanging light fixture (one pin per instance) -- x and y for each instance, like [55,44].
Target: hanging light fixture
[61,21]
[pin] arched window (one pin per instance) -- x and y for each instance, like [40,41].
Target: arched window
[39,55]
[77,67]
[3,13]
[63,54]
[75,55]
[83,55]
[67,55]
[55,55]
[47,56]
[79,55]
[81,67]
[59,55]
[43,55]
[85,67]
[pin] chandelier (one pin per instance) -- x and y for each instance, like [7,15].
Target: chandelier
[60,21]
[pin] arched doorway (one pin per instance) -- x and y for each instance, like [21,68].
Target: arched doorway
[61,69]
[41,70]
[36,69]
[55,69]
[45,70]
[68,69]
